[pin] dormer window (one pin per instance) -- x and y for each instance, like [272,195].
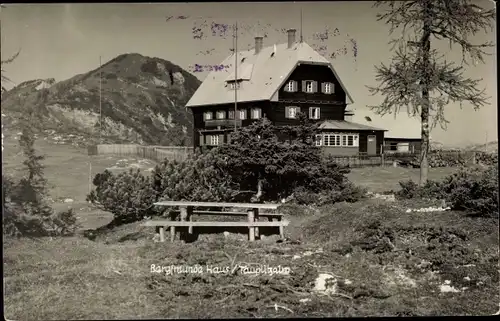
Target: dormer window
[234,85]
[291,86]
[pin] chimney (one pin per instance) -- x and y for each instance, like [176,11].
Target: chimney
[291,37]
[258,44]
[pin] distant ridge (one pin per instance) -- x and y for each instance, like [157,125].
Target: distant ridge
[143,101]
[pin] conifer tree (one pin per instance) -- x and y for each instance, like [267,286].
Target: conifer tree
[419,77]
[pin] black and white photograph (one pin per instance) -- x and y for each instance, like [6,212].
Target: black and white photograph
[220,160]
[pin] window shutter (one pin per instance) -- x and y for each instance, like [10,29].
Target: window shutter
[287,112]
[297,110]
[315,86]
[304,86]
[332,88]
[310,112]
[286,87]
[202,140]
[323,87]
[294,85]
[260,112]
[221,139]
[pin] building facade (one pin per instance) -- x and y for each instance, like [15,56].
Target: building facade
[278,82]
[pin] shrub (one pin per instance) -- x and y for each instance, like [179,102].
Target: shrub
[474,191]
[128,195]
[471,190]
[410,189]
[200,178]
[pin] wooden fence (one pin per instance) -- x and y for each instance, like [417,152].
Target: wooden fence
[156,153]
[178,153]
[436,159]
[358,161]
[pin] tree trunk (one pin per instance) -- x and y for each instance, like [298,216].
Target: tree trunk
[260,186]
[425,106]
[424,152]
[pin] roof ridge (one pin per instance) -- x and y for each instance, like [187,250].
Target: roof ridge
[267,75]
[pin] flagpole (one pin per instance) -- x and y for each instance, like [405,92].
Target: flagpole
[100,102]
[235,73]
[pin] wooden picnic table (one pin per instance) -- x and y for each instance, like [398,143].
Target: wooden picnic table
[187,211]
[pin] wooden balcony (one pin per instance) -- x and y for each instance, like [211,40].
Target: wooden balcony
[222,122]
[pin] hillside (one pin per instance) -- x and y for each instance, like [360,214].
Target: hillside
[142,101]
[491,147]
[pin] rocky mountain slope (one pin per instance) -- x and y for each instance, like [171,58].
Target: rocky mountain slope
[142,101]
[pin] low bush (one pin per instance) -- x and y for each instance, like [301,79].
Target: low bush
[487,159]
[471,190]
[200,178]
[349,193]
[128,195]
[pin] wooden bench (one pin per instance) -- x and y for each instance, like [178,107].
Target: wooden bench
[186,217]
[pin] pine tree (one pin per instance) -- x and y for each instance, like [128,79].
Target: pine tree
[261,160]
[420,78]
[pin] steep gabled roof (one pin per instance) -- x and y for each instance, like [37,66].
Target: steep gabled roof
[265,74]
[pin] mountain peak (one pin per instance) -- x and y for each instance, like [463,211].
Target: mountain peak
[142,100]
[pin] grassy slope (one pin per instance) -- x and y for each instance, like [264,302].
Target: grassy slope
[75,278]
[67,171]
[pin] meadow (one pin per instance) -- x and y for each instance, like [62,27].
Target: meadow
[384,260]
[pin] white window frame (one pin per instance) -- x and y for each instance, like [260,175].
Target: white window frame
[340,140]
[230,114]
[290,114]
[289,86]
[318,116]
[328,88]
[242,112]
[309,86]
[252,113]
[208,115]
[319,140]
[219,113]
[214,140]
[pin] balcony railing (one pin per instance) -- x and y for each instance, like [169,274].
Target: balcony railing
[222,122]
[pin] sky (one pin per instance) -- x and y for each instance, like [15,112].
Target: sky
[62,40]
